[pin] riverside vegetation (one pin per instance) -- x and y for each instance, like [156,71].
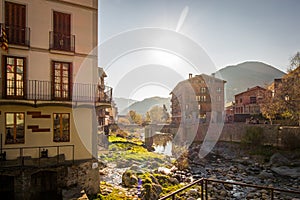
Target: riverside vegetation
[130,171]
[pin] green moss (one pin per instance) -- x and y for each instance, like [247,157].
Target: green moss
[121,149]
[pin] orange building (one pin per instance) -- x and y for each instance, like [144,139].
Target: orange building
[247,102]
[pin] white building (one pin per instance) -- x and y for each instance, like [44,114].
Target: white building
[43,94]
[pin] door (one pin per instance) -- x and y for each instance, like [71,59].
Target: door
[15,22]
[62,31]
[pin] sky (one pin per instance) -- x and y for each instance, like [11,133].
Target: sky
[147,46]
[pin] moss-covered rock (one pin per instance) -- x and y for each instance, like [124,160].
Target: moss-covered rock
[129,179]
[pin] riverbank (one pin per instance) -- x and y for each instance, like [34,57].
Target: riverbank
[264,166]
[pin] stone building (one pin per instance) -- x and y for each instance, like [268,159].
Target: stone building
[199,98]
[247,102]
[47,103]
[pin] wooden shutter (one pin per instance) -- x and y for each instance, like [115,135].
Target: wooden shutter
[15,21]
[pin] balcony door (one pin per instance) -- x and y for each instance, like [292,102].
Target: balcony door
[61,80]
[15,23]
[62,31]
[14,75]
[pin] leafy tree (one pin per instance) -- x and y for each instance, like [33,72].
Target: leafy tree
[147,118]
[134,117]
[288,93]
[269,107]
[159,114]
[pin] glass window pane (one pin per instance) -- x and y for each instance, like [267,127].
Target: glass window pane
[57,66]
[10,61]
[65,66]
[19,61]
[9,68]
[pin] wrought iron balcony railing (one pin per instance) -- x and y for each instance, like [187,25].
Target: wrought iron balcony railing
[44,91]
[61,42]
[17,35]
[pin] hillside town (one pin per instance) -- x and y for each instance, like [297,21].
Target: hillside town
[64,135]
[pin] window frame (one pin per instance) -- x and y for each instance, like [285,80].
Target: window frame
[5,79]
[61,83]
[61,134]
[14,134]
[15,22]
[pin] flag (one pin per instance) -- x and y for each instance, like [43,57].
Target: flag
[3,39]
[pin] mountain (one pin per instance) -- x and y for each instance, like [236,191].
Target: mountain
[142,107]
[246,75]
[123,103]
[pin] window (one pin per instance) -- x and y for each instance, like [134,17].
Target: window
[61,80]
[241,100]
[197,98]
[202,90]
[61,129]
[15,23]
[219,90]
[218,98]
[252,100]
[62,31]
[14,128]
[14,74]
[203,98]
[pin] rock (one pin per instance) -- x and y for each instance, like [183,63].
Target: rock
[287,171]
[192,192]
[265,175]
[151,191]
[278,159]
[135,167]
[164,170]
[190,198]
[129,179]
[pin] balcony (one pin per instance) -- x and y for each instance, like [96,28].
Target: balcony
[61,42]
[17,35]
[39,156]
[35,90]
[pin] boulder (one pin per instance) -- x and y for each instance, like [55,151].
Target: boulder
[278,159]
[287,171]
[129,179]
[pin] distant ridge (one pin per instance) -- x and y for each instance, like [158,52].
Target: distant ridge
[246,75]
[123,103]
[145,105]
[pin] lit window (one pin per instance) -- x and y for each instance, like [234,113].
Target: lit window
[14,128]
[61,127]
[202,90]
[203,98]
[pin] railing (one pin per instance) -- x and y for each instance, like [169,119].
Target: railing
[43,91]
[61,41]
[203,182]
[17,35]
[37,156]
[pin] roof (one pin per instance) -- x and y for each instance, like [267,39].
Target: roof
[101,72]
[251,89]
[204,76]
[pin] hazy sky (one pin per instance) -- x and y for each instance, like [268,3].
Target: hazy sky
[228,32]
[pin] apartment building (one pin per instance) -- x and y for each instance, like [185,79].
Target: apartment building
[196,98]
[247,102]
[43,97]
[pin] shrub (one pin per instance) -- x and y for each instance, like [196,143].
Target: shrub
[291,139]
[254,136]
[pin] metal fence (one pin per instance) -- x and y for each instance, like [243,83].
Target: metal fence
[206,193]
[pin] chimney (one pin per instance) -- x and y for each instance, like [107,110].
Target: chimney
[190,75]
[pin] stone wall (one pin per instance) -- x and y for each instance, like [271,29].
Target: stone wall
[70,180]
[274,135]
